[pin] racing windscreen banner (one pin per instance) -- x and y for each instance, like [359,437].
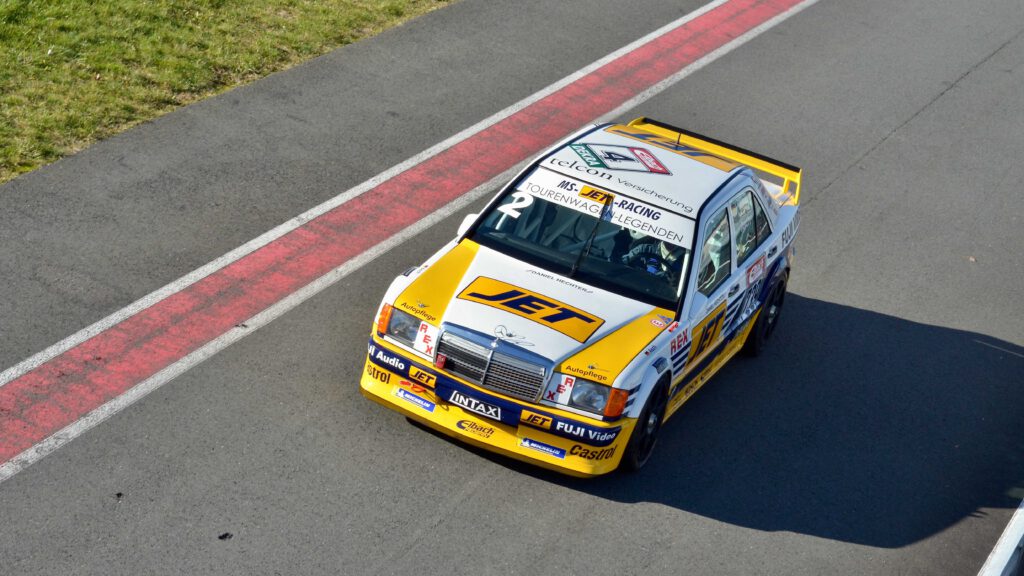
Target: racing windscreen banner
[622,210]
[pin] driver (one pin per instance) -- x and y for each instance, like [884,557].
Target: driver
[655,256]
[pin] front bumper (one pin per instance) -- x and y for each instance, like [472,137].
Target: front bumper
[539,435]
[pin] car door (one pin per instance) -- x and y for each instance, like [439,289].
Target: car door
[718,282]
[751,232]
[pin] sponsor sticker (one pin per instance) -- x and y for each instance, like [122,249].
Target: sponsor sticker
[572,430]
[474,405]
[591,372]
[541,447]
[596,195]
[422,376]
[679,342]
[650,161]
[417,311]
[591,453]
[756,270]
[377,374]
[414,399]
[387,358]
[559,316]
[585,433]
[412,386]
[474,428]
[426,339]
[536,420]
[561,389]
[587,155]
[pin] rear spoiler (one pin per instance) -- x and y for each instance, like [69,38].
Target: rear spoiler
[787,173]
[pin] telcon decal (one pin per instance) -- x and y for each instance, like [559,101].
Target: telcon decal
[559,316]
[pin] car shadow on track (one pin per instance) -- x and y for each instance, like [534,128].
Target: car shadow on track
[854,426]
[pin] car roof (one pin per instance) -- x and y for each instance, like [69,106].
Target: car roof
[646,165]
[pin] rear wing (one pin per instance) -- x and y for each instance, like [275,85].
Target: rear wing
[788,174]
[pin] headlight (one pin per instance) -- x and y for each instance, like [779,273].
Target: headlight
[589,396]
[403,326]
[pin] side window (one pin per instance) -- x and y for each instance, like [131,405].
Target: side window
[761,219]
[751,224]
[741,207]
[715,255]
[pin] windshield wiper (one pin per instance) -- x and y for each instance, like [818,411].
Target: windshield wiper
[606,212]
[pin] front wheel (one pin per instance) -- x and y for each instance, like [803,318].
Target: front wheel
[645,435]
[767,320]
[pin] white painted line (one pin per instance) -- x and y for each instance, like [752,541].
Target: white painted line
[998,560]
[1018,355]
[705,60]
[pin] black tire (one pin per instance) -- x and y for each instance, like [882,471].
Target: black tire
[767,320]
[645,434]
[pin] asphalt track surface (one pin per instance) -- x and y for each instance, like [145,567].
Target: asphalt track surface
[885,436]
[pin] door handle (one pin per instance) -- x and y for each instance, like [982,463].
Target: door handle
[773,251]
[734,290]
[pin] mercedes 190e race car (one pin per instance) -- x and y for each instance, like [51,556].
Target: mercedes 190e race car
[592,297]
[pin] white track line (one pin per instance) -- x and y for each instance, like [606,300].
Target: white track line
[1013,536]
[184,364]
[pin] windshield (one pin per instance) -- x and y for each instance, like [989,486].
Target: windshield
[610,241]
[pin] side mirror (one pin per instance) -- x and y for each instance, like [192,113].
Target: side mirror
[466,223]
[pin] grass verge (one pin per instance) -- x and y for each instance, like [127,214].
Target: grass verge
[76,71]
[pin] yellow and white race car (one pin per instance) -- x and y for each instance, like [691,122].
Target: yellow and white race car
[592,297]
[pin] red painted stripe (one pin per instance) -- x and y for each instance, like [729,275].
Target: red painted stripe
[41,402]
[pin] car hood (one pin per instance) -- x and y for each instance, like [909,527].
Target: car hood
[571,324]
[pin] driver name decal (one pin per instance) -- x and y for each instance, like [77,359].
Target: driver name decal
[569,320]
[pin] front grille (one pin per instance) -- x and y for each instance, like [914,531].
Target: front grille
[465,358]
[514,377]
[498,372]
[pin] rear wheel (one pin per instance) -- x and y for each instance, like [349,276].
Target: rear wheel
[767,320]
[645,435]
